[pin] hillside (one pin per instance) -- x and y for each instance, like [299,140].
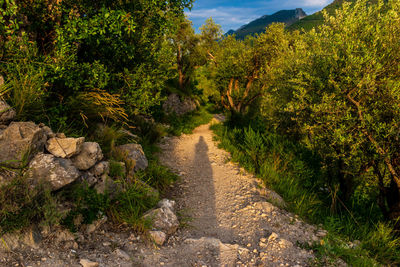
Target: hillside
[316,19]
[258,26]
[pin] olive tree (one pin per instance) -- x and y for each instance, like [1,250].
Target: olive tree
[346,97]
[244,70]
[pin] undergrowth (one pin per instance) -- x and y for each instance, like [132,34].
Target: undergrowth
[21,205]
[357,233]
[187,123]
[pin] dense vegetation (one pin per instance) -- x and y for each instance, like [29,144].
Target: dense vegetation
[314,114]
[322,122]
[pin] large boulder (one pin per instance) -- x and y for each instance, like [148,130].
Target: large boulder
[135,153]
[58,172]
[20,139]
[179,106]
[64,147]
[7,113]
[163,218]
[90,154]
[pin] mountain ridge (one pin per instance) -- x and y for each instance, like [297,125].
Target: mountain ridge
[317,19]
[259,25]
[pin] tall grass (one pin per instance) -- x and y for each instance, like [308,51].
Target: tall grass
[21,205]
[294,172]
[187,123]
[25,89]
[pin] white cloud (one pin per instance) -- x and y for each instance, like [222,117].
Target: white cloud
[234,17]
[315,3]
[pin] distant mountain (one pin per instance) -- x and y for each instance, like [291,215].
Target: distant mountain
[258,26]
[230,32]
[316,19]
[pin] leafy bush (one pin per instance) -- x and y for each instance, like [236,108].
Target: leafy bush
[296,173]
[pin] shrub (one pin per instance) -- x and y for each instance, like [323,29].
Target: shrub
[21,206]
[295,172]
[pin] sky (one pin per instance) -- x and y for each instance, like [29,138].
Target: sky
[231,14]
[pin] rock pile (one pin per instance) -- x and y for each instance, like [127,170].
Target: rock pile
[54,159]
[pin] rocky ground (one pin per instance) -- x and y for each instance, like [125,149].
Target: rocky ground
[226,219]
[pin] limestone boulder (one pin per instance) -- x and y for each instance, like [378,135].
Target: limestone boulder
[135,153]
[90,154]
[166,203]
[7,113]
[64,147]
[179,106]
[20,139]
[164,219]
[58,172]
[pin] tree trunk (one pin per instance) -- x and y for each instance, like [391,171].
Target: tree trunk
[181,75]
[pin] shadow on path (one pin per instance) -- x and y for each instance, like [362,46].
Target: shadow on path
[206,223]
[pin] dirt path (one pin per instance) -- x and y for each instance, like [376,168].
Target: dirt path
[226,221]
[230,221]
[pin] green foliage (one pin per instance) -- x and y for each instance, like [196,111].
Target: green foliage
[342,100]
[187,123]
[20,205]
[296,173]
[243,71]
[81,62]
[157,176]
[132,203]
[86,203]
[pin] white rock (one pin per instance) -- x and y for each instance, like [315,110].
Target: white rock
[58,172]
[88,263]
[158,237]
[64,147]
[163,219]
[166,203]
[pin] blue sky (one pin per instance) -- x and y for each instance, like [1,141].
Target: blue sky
[231,14]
